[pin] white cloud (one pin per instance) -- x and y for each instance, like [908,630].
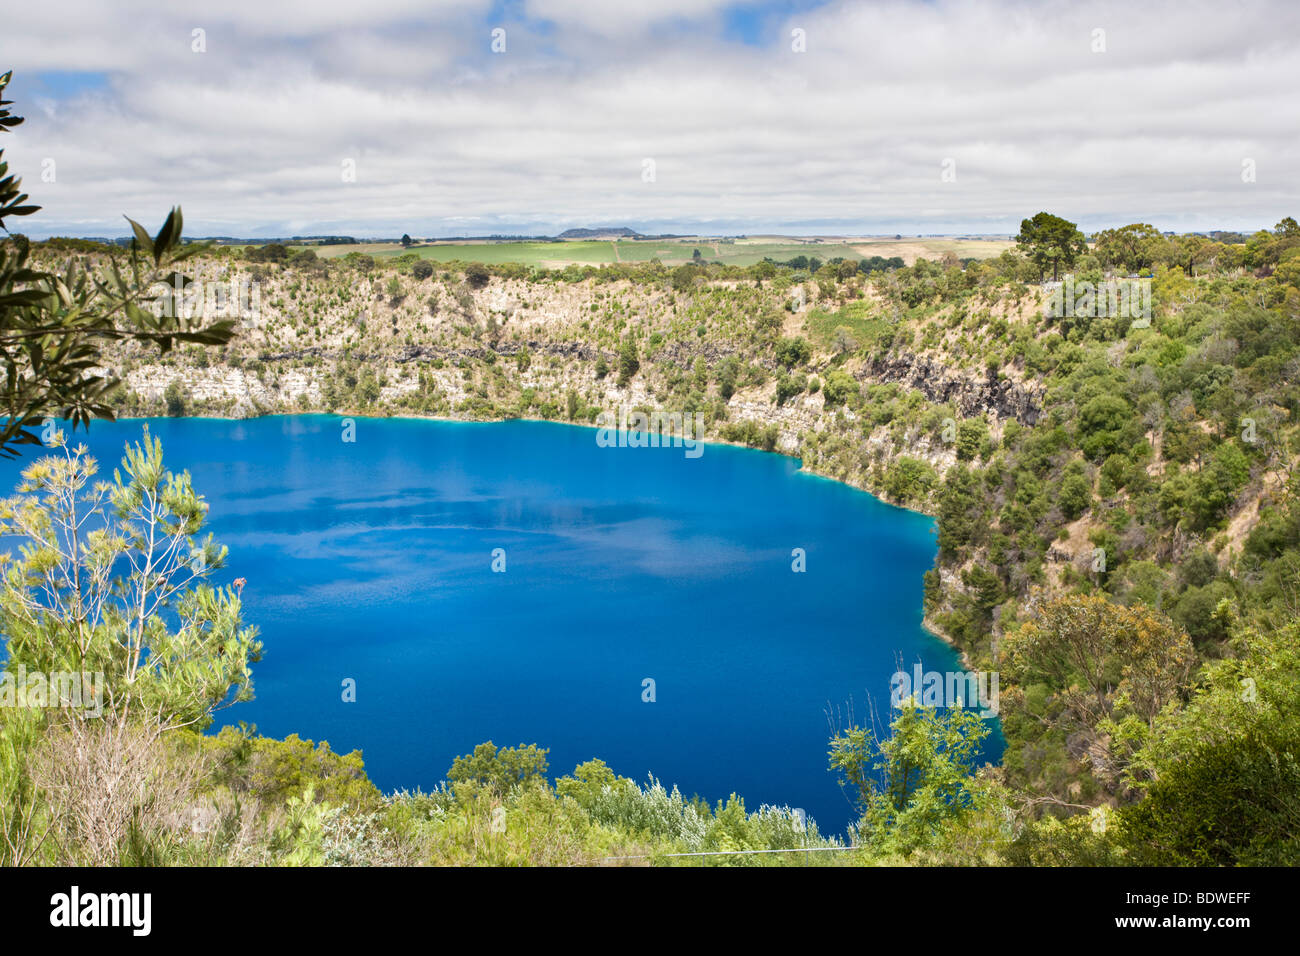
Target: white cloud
[626,18]
[448,137]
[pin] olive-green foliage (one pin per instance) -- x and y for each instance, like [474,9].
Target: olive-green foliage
[175,399]
[840,388]
[915,782]
[276,770]
[971,434]
[793,352]
[910,480]
[788,386]
[628,362]
[1087,669]
[1051,241]
[499,770]
[99,563]
[1075,495]
[751,433]
[271,252]
[1221,775]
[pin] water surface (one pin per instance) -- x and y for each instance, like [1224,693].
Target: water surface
[372,560]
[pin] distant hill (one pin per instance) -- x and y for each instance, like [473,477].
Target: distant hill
[621,232]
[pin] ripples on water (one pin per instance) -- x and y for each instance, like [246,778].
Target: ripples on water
[372,560]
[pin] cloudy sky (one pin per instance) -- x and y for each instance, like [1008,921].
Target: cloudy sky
[296,117]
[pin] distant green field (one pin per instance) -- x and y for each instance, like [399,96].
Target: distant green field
[672,252]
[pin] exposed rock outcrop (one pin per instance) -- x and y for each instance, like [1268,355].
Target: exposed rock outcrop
[1002,398]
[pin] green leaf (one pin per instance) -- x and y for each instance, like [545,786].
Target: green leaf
[167,235]
[141,236]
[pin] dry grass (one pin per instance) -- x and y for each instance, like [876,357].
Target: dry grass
[103,777]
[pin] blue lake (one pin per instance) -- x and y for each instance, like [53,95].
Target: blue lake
[372,560]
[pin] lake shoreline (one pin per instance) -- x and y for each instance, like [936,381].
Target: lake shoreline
[549,421]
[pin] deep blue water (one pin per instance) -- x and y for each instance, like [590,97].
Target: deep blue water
[372,560]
